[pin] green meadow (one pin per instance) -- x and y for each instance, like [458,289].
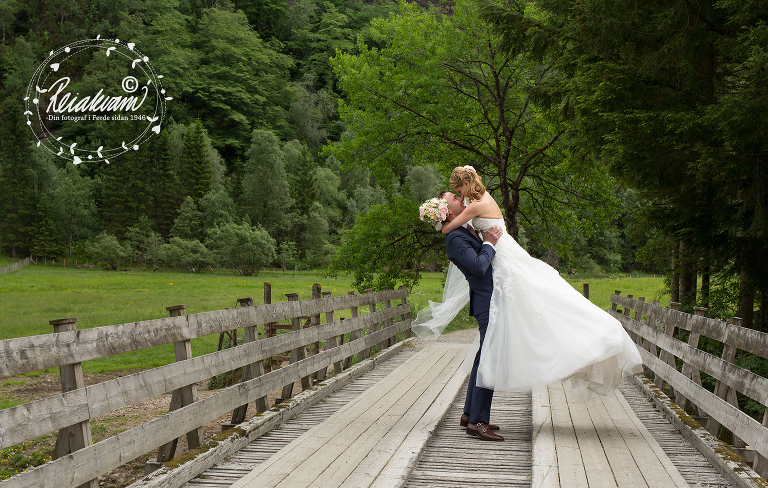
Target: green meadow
[32,296]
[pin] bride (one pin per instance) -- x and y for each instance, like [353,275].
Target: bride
[540,329]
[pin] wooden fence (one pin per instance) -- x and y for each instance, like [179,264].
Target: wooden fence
[78,462]
[15,266]
[653,329]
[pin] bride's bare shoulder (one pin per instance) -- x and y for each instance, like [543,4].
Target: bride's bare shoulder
[490,209]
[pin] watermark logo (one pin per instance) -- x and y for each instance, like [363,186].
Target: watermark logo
[92,93]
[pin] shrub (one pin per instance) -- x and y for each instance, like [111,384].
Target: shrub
[106,248]
[242,248]
[189,254]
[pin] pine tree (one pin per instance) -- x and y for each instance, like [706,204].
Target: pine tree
[303,188]
[16,178]
[265,197]
[44,230]
[166,190]
[197,166]
[117,200]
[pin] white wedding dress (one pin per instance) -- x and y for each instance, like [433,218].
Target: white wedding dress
[540,329]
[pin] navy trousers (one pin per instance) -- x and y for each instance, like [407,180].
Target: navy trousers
[478,403]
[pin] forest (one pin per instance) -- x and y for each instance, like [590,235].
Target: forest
[304,135]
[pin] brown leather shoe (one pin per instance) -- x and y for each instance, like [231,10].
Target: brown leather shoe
[465,420]
[482,431]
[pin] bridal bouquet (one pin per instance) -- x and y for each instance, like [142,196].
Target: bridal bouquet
[434,211]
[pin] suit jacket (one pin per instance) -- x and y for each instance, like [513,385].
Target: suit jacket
[474,260]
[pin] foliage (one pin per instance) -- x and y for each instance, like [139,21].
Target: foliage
[74,204]
[301,166]
[44,231]
[677,112]
[443,89]
[216,208]
[187,224]
[310,112]
[423,182]
[254,99]
[265,196]
[105,248]
[145,244]
[242,248]
[189,254]
[330,195]
[197,166]
[16,178]
[219,67]
[386,247]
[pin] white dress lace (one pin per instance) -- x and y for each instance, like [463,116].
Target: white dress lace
[540,329]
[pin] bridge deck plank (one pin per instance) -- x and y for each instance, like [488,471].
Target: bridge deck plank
[330,453]
[599,443]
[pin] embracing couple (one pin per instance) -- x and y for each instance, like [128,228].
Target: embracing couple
[535,328]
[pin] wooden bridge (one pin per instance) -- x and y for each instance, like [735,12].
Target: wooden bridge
[377,409]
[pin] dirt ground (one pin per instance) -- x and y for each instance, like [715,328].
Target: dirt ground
[26,388]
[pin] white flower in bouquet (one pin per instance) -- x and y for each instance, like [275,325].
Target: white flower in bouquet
[434,211]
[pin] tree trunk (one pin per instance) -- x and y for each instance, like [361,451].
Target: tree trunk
[688,275]
[674,282]
[705,286]
[70,236]
[511,202]
[746,299]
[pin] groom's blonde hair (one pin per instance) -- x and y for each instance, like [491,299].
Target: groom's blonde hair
[462,175]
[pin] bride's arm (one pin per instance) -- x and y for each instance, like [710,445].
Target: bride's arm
[472,210]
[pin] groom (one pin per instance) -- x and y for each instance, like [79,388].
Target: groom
[473,257]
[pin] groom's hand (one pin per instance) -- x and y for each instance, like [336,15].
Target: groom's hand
[493,235]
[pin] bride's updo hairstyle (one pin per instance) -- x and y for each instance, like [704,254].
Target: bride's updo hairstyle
[467,174]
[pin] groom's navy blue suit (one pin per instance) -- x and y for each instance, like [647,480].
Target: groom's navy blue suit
[473,258]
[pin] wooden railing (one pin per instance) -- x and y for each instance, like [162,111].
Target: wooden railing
[653,329]
[78,462]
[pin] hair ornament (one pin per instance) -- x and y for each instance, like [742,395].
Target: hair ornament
[470,168]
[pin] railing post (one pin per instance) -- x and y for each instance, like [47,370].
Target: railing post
[404,301]
[626,312]
[374,327]
[721,388]
[761,464]
[648,345]
[693,341]
[613,305]
[250,371]
[76,436]
[297,353]
[315,319]
[388,322]
[585,291]
[638,318]
[354,335]
[331,342]
[688,370]
[269,327]
[665,356]
[668,357]
[181,397]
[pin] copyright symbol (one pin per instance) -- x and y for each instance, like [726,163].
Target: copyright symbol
[130,84]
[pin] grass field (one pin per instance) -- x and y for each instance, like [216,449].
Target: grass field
[32,296]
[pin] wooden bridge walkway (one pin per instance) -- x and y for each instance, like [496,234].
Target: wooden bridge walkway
[352,425]
[399,427]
